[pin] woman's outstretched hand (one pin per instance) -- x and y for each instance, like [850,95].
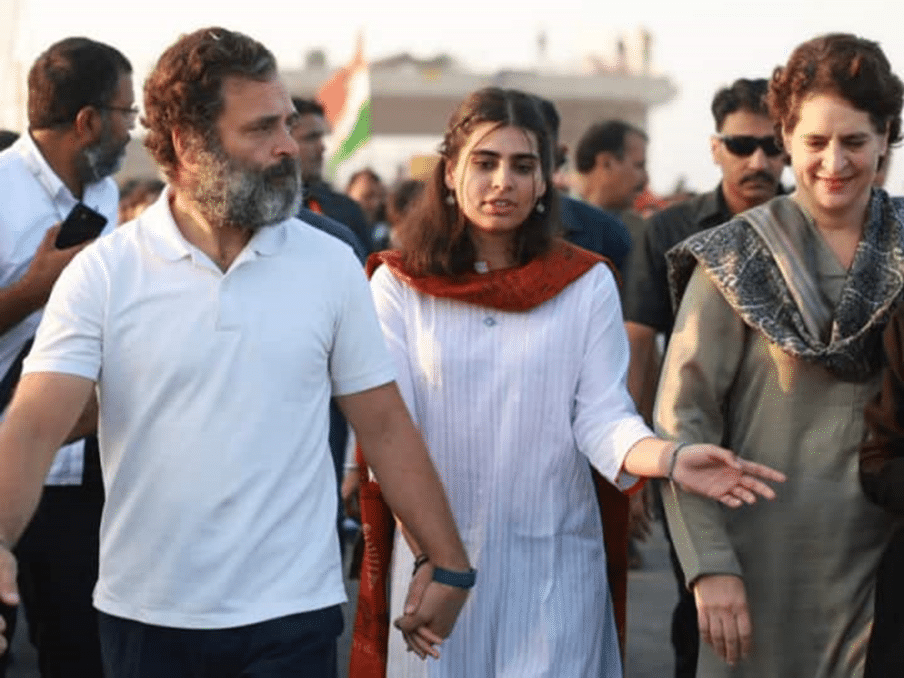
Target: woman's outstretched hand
[717,473]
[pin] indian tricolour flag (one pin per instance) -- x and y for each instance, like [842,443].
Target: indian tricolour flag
[345,98]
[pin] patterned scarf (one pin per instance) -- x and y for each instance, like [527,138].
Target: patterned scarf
[762,262]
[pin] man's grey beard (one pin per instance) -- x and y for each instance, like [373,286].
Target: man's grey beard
[248,197]
[102,159]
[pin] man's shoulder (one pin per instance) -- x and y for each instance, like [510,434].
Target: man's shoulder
[14,172]
[586,212]
[681,220]
[595,229]
[335,229]
[307,239]
[331,200]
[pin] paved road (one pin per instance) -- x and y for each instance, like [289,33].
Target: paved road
[651,596]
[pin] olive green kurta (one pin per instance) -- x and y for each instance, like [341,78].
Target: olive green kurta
[808,558]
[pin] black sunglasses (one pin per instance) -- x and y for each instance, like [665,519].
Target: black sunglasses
[743,145]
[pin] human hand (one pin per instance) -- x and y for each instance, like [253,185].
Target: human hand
[718,473]
[422,641]
[46,266]
[430,612]
[9,593]
[722,615]
[351,483]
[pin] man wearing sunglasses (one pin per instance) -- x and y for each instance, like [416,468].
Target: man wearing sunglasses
[745,149]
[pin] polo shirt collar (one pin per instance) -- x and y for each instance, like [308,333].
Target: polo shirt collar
[170,244]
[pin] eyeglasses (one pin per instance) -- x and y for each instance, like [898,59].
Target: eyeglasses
[132,111]
[743,145]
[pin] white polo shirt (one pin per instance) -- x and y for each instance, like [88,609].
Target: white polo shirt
[32,199]
[213,390]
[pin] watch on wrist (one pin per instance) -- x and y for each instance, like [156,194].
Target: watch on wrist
[460,580]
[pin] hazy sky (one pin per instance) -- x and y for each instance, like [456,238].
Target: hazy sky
[699,44]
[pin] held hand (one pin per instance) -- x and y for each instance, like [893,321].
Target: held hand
[9,594]
[717,473]
[433,619]
[418,641]
[723,616]
[47,265]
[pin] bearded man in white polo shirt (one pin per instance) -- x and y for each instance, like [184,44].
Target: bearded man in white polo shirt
[215,328]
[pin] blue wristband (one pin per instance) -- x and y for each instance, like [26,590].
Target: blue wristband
[460,580]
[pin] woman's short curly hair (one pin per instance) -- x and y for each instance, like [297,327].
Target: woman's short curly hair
[851,67]
[185,89]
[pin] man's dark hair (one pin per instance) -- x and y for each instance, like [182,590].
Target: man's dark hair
[741,95]
[70,75]
[603,137]
[185,89]
[307,106]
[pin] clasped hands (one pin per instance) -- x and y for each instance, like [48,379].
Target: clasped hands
[430,612]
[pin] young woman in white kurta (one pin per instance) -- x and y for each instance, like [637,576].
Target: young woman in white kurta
[513,404]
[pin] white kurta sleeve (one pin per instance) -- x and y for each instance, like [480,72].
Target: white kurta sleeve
[389,299]
[705,351]
[606,424]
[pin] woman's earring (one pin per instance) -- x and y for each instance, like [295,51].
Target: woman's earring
[540,207]
[450,200]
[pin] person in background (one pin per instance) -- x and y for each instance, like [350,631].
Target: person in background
[402,199]
[882,479]
[775,351]
[81,108]
[366,188]
[611,163]
[309,130]
[136,195]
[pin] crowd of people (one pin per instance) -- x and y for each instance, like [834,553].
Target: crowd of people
[502,380]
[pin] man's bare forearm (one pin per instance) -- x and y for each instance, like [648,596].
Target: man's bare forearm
[17,302]
[395,450]
[44,408]
[87,421]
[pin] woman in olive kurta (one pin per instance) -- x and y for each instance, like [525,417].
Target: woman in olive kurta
[775,353]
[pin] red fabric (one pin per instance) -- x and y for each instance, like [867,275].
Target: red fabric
[508,289]
[513,289]
[371,630]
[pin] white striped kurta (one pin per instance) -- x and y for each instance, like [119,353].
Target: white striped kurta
[512,405]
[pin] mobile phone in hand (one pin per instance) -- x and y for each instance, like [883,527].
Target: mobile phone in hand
[80,225]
